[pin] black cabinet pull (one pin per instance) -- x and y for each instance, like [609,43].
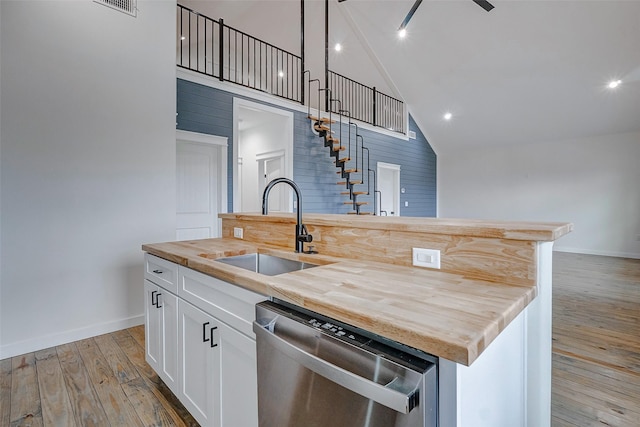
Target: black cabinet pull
[211,336]
[204,332]
[158,300]
[157,271]
[153,303]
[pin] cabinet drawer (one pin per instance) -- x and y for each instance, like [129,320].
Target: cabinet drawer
[161,272]
[229,303]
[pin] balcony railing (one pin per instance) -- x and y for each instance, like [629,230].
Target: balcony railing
[213,48]
[365,103]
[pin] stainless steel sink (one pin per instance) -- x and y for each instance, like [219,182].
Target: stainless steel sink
[268,265]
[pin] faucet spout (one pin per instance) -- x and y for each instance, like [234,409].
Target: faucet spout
[302,235]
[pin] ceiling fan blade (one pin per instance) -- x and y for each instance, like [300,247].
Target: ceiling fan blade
[484,4]
[410,14]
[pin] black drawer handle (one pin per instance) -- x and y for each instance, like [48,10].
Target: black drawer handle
[158,271]
[204,332]
[211,336]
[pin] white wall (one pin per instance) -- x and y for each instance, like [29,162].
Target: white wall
[593,183]
[87,165]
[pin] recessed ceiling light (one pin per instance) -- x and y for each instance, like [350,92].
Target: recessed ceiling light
[280,73]
[182,38]
[448,116]
[402,33]
[338,47]
[614,84]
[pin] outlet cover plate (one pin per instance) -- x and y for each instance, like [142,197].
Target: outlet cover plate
[238,232]
[426,257]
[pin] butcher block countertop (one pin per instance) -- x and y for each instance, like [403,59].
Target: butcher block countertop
[513,230]
[442,313]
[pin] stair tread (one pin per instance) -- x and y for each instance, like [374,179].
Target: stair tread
[357,203]
[359,192]
[358,213]
[335,140]
[322,128]
[339,148]
[321,119]
[344,159]
[349,170]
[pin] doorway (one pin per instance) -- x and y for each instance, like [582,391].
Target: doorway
[389,186]
[263,150]
[201,185]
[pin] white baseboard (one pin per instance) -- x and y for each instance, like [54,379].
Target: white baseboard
[602,253]
[40,343]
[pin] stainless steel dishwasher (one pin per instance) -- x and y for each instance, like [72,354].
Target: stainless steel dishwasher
[316,372]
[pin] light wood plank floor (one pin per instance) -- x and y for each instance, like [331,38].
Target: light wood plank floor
[105,381]
[596,341]
[100,381]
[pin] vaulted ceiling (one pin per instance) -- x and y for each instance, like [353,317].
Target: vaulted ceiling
[529,71]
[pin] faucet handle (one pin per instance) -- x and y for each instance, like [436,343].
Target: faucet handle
[306,238]
[304,235]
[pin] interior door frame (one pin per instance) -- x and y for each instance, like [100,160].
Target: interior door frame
[286,204]
[222,143]
[396,186]
[238,103]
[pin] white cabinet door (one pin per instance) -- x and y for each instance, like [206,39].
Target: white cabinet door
[153,329]
[199,360]
[161,333]
[167,304]
[239,379]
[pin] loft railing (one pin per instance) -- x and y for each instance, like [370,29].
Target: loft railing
[366,104]
[213,48]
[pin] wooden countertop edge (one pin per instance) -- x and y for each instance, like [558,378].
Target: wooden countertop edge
[461,351]
[511,230]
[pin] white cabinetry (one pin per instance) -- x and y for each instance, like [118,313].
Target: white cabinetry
[200,342]
[161,331]
[199,362]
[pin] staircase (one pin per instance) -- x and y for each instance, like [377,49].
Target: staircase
[348,157]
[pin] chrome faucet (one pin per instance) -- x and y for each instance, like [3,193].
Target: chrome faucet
[302,235]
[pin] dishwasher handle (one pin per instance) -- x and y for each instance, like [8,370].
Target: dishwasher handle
[396,400]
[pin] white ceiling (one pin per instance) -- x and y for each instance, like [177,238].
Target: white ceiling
[528,71]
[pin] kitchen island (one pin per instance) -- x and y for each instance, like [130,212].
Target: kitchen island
[486,313]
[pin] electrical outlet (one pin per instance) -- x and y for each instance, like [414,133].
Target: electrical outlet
[238,232]
[426,258]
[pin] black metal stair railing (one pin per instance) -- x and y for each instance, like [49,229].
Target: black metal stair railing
[211,47]
[367,104]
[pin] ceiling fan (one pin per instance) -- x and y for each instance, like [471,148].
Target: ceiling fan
[482,3]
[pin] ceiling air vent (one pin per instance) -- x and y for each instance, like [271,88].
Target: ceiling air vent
[126,6]
[412,135]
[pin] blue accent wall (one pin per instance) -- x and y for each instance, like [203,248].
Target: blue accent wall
[208,110]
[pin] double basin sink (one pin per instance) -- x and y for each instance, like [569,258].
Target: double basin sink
[269,265]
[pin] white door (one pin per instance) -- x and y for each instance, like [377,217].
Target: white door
[389,187]
[197,191]
[270,168]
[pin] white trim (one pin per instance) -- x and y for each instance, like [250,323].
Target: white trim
[208,81]
[202,138]
[38,343]
[239,103]
[616,254]
[270,155]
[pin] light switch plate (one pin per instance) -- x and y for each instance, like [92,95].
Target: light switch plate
[426,257]
[238,232]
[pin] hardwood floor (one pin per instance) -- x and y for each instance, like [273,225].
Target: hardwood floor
[104,381]
[100,381]
[596,341]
